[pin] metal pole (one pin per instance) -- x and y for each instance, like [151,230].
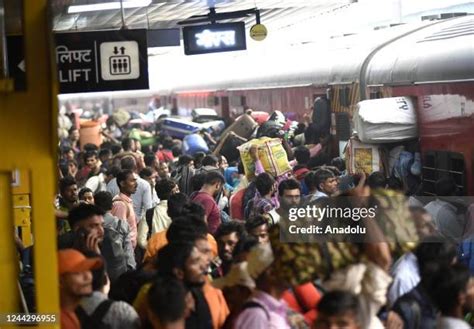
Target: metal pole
[122,11]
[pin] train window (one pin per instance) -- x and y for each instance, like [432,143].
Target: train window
[344,97]
[212,101]
[243,100]
[375,94]
[437,164]
[236,100]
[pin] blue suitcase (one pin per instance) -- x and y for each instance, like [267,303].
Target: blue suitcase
[178,128]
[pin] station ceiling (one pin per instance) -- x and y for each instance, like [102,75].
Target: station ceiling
[160,14]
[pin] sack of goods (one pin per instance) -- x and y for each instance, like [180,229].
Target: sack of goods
[386,120]
[362,157]
[194,143]
[121,117]
[271,154]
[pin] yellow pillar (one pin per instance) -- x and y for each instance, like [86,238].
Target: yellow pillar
[8,260]
[28,130]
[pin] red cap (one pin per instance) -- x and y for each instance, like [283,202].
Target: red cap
[73,261]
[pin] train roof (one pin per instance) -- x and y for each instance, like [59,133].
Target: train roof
[443,51]
[414,53]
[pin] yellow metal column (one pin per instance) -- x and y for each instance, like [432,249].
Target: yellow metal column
[28,128]
[8,260]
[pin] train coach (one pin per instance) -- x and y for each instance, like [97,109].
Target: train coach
[431,61]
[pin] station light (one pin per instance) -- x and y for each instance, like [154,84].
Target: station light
[108,6]
[209,39]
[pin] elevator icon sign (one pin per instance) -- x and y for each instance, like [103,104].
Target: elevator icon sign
[119,60]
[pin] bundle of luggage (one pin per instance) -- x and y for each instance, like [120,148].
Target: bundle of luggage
[386,120]
[383,129]
[178,128]
[271,154]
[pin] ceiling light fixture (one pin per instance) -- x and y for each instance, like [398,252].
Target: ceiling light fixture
[108,6]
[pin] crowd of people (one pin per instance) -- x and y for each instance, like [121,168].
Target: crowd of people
[149,237]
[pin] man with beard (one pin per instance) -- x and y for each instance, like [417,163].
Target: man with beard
[184,231]
[213,183]
[142,197]
[75,282]
[228,236]
[87,224]
[326,184]
[289,195]
[190,229]
[257,227]
[91,168]
[123,203]
[185,262]
[66,200]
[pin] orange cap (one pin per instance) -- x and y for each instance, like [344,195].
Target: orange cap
[73,261]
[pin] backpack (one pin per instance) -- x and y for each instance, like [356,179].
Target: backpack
[95,320]
[113,251]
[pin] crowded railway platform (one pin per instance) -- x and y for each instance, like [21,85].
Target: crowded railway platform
[179,164]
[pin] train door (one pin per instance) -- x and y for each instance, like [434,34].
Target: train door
[174,106]
[225,107]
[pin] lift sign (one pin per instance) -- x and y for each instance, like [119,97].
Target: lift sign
[214,38]
[102,61]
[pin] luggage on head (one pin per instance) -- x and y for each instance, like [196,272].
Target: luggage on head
[271,153]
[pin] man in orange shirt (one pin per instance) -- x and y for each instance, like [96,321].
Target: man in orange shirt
[75,282]
[184,261]
[193,215]
[190,228]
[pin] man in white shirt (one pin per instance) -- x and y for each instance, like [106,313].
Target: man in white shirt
[141,199]
[445,215]
[326,184]
[160,220]
[99,182]
[406,271]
